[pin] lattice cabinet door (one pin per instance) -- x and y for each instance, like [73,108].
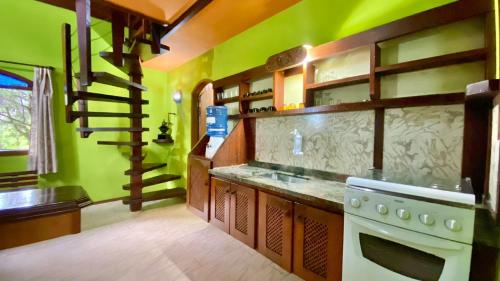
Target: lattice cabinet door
[198,187]
[275,229]
[219,203]
[243,214]
[317,244]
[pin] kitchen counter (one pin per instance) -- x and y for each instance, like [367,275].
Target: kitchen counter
[326,194]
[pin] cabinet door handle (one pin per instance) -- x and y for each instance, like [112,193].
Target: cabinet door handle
[300,218]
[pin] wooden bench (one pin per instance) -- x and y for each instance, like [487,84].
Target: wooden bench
[34,214]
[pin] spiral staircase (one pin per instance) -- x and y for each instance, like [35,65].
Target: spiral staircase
[143,40]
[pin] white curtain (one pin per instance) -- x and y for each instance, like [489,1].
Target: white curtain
[42,152]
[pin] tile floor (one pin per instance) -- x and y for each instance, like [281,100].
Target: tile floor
[163,242]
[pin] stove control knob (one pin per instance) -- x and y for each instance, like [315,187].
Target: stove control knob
[382,209]
[403,214]
[453,225]
[355,203]
[426,219]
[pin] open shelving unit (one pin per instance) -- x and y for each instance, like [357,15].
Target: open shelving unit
[370,43]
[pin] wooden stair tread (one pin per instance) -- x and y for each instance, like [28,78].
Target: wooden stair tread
[122,143]
[13,174]
[18,183]
[155,180]
[90,130]
[19,178]
[77,114]
[81,95]
[146,167]
[131,63]
[160,194]
[112,80]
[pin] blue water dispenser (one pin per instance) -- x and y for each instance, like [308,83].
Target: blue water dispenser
[216,128]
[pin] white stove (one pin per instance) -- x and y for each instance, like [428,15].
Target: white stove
[402,228]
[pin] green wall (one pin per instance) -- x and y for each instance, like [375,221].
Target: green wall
[309,21]
[31,33]
[35,38]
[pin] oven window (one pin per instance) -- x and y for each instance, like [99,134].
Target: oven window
[402,259]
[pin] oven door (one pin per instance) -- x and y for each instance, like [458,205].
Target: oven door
[379,252]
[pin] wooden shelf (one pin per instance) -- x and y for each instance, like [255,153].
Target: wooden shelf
[233,116]
[487,89]
[265,96]
[360,79]
[432,62]
[162,141]
[438,99]
[227,100]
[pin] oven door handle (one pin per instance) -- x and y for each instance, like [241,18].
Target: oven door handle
[407,236]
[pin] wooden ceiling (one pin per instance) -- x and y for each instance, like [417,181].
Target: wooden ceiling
[162,10]
[219,21]
[214,24]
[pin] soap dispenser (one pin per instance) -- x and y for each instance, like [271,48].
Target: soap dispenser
[297,142]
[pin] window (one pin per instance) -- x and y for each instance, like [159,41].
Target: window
[15,113]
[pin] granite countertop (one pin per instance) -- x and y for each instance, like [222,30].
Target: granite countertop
[315,191]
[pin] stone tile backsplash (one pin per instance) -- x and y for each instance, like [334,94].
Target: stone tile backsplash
[418,140]
[336,142]
[424,141]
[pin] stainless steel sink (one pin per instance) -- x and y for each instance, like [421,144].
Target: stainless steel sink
[288,178]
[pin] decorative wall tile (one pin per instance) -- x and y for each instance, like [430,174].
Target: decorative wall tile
[336,142]
[424,141]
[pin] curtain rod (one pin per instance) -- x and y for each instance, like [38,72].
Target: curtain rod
[28,64]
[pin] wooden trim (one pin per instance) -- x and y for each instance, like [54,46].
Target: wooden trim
[13,152]
[428,100]
[227,100]
[195,120]
[184,18]
[359,79]
[279,89]
[235,79]
[432,62]
[378,144]
[293,71]
[18,77]
[266,96]
[442,15]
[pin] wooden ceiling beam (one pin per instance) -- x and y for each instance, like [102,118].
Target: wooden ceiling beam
[103,9]
[184,18]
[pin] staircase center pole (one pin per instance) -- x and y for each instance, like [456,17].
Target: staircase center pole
[136,151]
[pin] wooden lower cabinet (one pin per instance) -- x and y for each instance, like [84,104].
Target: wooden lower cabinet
[220,203]
[318,239]
[233,209]
[275,229]
[198,192]
[243,214]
